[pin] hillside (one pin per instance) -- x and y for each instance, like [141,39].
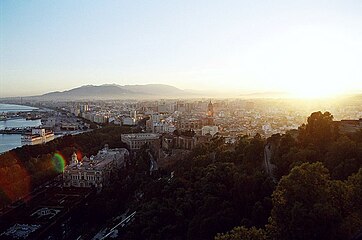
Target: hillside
[113,91]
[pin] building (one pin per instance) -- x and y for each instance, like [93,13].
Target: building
[163,107]
[210,110]
[163,127]
[87,115]
[136,140]
[75,110]
[349,126]
[50,122]
[189,142]
[210,114]
[190,123]
[37,136]
[128,121]
[212,130]
[69,126]
[95,171]
[84,108]
[100,118]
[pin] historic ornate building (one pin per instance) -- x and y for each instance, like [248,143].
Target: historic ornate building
[95,171]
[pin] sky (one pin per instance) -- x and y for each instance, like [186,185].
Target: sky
[307,48]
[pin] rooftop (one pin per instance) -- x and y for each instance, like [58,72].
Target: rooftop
[103,158]
[140,136]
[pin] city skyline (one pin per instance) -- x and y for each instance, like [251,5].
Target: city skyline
[307,49]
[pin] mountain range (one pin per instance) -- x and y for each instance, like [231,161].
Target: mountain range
[147,91]
[114,91]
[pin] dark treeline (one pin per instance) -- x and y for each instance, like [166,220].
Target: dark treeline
[22,169]
[315,194]
[215,188]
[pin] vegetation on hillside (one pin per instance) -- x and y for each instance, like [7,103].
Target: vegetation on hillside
[221,190]
[220,186]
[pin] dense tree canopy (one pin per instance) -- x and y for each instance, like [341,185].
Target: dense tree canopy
[318,195]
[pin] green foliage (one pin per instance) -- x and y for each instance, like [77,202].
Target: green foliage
[318,195]
[319,130]
[318,141]
[307,204]
[211,192]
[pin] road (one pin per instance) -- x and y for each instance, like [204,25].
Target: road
[112,231]
[153,164]
[269,167]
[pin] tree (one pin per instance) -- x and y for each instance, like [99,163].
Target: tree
[353,220]
[304,206]
[319,130]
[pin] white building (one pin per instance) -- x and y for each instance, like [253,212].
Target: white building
[212,130]
[37,136]
[89,116]
[128,121]
[100,118]
[84,108]
[95,171]
[163,127]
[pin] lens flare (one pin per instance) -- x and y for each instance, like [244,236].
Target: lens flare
[58,162]
[79,155]
[14,179]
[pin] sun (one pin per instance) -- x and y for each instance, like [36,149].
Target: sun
[307,62]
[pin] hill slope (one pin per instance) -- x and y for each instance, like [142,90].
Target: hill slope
[113,91]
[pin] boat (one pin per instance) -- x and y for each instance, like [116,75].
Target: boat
[33,118]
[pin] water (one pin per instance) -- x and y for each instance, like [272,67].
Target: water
[10,141]
[15,108]
[19,123]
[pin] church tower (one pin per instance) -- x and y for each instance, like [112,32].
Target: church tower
[210,110]
[210,114]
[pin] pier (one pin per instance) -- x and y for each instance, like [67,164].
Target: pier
[15,130]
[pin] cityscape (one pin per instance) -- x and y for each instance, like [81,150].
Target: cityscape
[160,120]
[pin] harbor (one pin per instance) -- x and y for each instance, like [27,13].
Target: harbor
[23,125]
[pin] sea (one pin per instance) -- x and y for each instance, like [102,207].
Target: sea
[11,141]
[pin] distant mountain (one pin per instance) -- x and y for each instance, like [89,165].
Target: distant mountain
[155,89]
[114,91]
[89,91]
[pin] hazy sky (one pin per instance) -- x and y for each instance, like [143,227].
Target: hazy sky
[304,47]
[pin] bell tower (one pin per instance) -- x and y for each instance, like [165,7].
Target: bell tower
[210,114]
[210,110]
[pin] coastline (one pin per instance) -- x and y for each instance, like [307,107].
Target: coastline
[13,141]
